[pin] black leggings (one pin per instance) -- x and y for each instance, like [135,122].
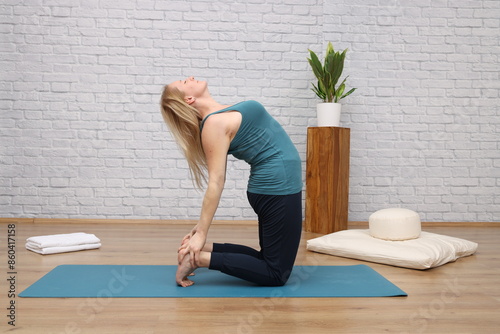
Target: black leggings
[280,226]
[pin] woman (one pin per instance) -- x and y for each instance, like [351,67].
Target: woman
[207,132]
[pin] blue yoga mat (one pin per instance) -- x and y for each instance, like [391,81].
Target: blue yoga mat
[150,281]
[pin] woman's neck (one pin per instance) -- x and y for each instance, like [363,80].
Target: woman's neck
[208,105]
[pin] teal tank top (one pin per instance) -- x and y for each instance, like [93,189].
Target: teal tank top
[275,165]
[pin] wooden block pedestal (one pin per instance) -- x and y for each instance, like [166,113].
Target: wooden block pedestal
[327,179]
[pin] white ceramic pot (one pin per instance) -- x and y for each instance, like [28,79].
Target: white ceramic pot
[328,114]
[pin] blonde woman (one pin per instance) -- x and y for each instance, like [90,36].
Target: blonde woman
[207,132]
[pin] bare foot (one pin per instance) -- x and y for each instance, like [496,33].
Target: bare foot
[183,271]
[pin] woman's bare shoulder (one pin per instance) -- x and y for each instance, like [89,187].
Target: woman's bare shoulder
[226,122]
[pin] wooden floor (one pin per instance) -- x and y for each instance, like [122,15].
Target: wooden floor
[460,297]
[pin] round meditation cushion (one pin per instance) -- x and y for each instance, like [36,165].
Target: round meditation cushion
[395,224]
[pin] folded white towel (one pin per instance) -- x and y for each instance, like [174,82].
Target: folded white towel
[61,243]
[64,249]
[63,240]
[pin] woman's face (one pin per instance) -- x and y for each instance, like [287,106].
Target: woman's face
[191,87]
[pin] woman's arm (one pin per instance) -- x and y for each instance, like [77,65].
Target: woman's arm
[215,139]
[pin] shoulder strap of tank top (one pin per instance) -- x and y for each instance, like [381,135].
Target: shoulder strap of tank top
[215,112]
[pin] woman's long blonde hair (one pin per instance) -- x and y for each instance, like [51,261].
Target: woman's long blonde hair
[184,123]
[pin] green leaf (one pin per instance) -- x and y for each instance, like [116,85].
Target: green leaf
[329,48]
[339,66]
[319,92]
[339,92]
[316,65]
[348,93]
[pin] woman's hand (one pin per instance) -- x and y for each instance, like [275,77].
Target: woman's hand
[187,237]
[192,244]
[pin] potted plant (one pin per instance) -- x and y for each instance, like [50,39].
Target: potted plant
[328,75]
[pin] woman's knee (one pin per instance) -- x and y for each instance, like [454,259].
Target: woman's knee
[279,277]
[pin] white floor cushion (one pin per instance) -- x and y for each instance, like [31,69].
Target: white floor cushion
[428,251]
[395,224]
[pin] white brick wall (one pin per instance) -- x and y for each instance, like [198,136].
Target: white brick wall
[82,137]
[425,120]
